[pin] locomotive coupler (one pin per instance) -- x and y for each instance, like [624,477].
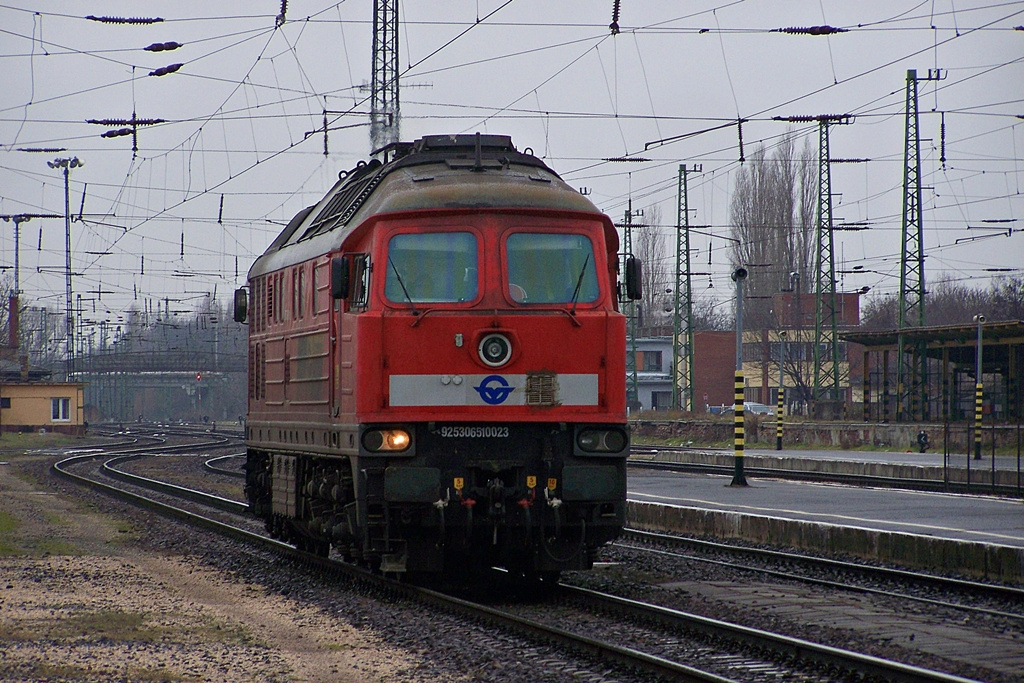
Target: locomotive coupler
[496,494]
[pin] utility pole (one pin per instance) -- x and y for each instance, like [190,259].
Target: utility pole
[682,340]
[826,333]
[630,309]
[67,164]
[911,377]
[384,110]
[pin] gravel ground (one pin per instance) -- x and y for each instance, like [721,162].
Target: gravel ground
[86,595]
[93,590]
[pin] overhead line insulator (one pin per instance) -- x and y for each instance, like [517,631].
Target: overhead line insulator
[164,70]
[810,30]
[126,122]
[818,118]
[124,20]
[116,133]
[162,47]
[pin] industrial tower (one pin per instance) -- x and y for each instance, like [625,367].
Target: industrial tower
[826,333]
[385,117]
[911,375]
[682,340]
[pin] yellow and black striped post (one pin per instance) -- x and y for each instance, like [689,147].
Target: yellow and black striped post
[979,368]
[738,435]
[778,419]
[978,392]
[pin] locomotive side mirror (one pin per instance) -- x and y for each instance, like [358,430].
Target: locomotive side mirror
[339,277]
[241,305]
[634,277]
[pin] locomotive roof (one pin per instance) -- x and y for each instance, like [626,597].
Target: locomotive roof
[436,171]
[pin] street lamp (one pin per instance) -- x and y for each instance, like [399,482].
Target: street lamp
[978,392]
[738,276]
[67,165]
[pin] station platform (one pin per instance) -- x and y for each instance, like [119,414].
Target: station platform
[975,535]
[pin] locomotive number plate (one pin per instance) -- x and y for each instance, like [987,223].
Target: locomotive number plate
[467,432]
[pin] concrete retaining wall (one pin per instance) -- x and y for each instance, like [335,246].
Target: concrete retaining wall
[981,560]
[980,472]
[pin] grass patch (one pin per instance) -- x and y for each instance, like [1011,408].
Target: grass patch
[54,519]
[120,626]
[44,671]
[8,523]
[21,443]
[55,546]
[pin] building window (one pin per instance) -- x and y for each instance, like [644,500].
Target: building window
[5,402]
[652,361]
[661,400]
[60,409]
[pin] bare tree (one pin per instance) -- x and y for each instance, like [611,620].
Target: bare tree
[774,216]
[1008,298]
[711,315]
[947,303]
[649,245]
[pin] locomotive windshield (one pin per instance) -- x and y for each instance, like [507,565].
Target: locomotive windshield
[551,268]
[432,267]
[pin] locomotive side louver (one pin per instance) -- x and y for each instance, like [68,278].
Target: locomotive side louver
[541,389]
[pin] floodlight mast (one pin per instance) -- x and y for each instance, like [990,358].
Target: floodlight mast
[69,322]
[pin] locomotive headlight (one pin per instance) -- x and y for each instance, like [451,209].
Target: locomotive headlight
[390,440]
[601,440]
[495,350]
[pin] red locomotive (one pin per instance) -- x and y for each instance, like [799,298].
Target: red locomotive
[437,366]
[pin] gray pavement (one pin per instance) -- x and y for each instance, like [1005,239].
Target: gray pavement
[937,515]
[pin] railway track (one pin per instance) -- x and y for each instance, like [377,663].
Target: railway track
[761,560]
[726,652]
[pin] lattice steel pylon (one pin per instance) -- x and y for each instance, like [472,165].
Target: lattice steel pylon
[682,340]
[911,376]
[826,334]
[385,116]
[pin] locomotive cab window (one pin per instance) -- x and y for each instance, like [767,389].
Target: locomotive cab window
[551,268]
[438,267]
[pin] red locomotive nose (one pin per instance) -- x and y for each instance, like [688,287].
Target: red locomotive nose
[444,320]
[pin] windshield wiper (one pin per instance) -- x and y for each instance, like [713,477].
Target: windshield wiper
[579,283]
[402,285]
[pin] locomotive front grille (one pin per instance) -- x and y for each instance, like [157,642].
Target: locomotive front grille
[541,388]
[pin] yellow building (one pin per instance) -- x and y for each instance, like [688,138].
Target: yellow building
[29,402]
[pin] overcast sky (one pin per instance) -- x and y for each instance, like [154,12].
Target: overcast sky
[242,146]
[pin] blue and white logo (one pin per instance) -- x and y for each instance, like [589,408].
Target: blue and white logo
[493,389]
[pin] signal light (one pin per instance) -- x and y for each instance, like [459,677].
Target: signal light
[199,376]
[390,440]
[601,440]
